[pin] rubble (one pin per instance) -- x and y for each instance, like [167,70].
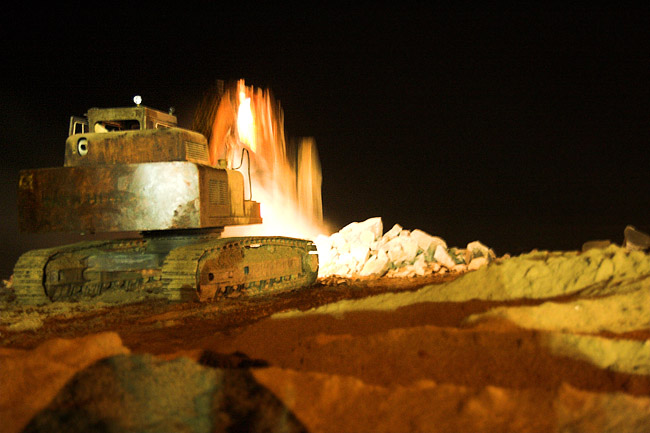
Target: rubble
[362,249]
[635,240]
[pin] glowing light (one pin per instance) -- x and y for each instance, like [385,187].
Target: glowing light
[288,188]
[246,122]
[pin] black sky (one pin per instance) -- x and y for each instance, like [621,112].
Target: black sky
[524,127]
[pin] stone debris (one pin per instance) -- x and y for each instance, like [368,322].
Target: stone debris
[361,250]
[599,244]
[635,240]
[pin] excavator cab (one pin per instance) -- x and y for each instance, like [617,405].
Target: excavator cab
[122,119]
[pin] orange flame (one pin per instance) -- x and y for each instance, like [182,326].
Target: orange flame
[288,189]
[246,121]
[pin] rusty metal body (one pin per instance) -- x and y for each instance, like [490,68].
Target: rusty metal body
[137,172]
[133,197]
[133,180]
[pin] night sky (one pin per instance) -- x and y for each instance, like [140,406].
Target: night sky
[522,127]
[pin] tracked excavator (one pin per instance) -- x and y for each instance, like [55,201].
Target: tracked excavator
[132,171]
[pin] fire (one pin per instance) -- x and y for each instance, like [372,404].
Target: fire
[286,181]
[246,121]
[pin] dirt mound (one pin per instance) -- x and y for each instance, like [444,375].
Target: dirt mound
[545,341]
[136,393]
[30,379]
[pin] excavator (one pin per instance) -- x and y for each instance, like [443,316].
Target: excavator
[134,174]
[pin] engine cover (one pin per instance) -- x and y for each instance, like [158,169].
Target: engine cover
[132,197]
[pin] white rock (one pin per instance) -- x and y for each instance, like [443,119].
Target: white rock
[406,271]
[339,243]
[393,250]
[374,225]
[360,253]
[347,260]
[442,256]
[341,269]
[385,246]
[376,265]
[410,247]
[392,233]
[402,250]
[478,249]
[425,240]
[352,232]
[419,266]
[459,267]
[324,247]
[430,251]
[477,263]
[350,228]
[366,238]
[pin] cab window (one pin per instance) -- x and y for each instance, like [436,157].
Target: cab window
[116,125]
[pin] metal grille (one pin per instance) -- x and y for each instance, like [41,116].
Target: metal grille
[218,192]
[196,151]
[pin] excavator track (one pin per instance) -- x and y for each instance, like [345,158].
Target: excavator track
[247,266]
[202,268]
[29,272]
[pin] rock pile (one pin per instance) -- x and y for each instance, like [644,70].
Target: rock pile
[361,249]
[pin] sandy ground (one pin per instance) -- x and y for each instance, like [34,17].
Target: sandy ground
[539,342]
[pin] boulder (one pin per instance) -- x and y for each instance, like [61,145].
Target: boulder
[139,393]
[360,253]
[599,244]
[324,247]
[368,230]
[425,240]
[377,265]
[477,263]
[392,233]
[635,240]
[401,250]
[339,243]
[30,379]
[443,257]
[477,249]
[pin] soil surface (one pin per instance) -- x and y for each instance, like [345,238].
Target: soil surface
[158,320]
[387,354]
